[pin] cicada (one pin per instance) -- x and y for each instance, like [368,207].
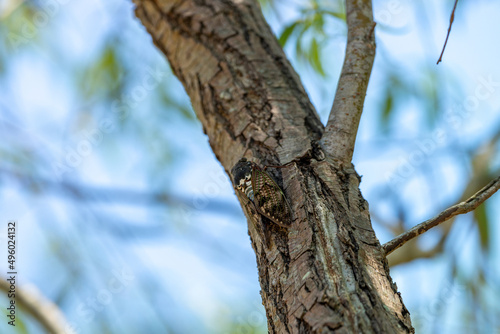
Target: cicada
[258,187]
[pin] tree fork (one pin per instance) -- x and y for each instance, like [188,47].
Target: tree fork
[327,272]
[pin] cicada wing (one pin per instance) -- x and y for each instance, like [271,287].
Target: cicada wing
[248,205]
[254,214]
[269,199]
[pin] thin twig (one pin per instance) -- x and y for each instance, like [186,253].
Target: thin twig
[457,209]
[412,251]
[452,18]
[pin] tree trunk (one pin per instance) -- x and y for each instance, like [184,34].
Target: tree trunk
[327,272]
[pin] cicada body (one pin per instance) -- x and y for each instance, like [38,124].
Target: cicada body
[259,188]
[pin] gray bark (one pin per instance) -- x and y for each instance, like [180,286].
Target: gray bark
[327,272]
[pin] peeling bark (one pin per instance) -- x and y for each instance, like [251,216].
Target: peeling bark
[327,272]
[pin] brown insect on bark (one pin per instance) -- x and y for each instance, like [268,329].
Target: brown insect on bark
[258,189]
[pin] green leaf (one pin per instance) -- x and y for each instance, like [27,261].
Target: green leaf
[186,111]
[20,324]
[482,219]
[318,23]
[103,75]
[298,46]
[340,16]
[387,108]
[430,95]
[315,58]
[287,32]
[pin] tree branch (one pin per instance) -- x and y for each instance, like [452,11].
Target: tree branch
[43,310]
[244,91]
[457,209]
[328,271]
[38,184]
[452,18]
[342,127]
[412,251]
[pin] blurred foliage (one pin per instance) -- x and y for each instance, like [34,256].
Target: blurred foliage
[400,90]
[18,28]
[21,325]
[310,32]
[483,224]
[102,76]
[112,75]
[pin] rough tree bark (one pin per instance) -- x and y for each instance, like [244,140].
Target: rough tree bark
[327,272]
